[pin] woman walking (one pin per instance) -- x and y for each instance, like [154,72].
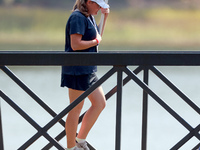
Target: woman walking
[82,35]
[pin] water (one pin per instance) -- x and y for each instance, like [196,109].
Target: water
[163,130]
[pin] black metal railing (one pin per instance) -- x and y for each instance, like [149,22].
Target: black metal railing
[146,61]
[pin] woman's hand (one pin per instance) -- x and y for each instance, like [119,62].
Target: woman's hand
[105,11]
[98,37]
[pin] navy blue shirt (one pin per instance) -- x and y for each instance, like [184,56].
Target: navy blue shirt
[79,24]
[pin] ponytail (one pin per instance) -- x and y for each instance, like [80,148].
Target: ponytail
[81,6]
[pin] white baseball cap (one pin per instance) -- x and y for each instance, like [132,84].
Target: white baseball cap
[101,3]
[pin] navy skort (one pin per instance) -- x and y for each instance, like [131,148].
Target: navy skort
[78,82]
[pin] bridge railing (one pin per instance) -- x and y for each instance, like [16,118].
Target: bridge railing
[146,61]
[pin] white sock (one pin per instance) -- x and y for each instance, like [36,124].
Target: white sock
[71,148]
[80,140]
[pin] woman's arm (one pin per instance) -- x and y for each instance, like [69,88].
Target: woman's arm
[105,12]
[76,39]
[78,44]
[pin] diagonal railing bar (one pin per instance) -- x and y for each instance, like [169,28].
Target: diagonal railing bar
[125,81]
[37,135]
[30,92]
[31,121]
[58,138]
[80,98]
[175,89]
[187,138]
[30,141]
[114,89]
[77,101]
[21,112]
[34,96]
[53,141]
[37,99]
[108,95]
[185,98]
[197,130]
[160,101]
[196,147]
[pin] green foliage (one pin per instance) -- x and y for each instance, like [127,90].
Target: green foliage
[33,28]
[113,3]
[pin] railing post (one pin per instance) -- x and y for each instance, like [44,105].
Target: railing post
[1,130]
[119,109]
[145,110]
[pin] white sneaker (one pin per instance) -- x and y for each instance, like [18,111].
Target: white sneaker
[76,148]
[83,145]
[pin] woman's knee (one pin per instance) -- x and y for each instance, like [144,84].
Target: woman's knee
[100,103]
[98,99]
[103,103]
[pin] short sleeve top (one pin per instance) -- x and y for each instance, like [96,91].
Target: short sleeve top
[80,24]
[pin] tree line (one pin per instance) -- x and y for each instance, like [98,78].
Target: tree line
[113,3]
[54,3]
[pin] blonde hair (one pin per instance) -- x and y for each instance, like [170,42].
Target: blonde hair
[81,6]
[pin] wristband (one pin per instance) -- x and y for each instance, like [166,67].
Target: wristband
[97,41]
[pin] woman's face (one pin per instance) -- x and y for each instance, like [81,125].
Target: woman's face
[93,7]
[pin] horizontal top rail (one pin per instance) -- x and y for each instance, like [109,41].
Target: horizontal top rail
[57,58]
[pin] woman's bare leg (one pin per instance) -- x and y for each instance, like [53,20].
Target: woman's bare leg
[72,118]
[98,101]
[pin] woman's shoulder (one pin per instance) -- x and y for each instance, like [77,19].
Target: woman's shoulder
[78,14]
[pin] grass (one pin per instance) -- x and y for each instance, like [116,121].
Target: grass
[25,28]
[31,27]
[156,28]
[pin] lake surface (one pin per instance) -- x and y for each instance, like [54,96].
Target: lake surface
[163,130]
